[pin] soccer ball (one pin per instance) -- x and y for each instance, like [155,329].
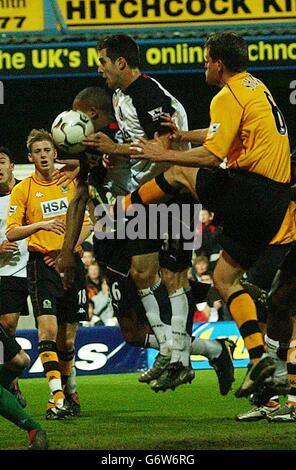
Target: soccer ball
[69,129]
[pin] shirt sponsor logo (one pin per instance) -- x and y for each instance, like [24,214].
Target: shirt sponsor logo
[214,127]
[12,210]
[155,113]
[54,208]
[65,189]
[251,82]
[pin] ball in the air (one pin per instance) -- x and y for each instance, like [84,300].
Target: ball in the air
[69,129]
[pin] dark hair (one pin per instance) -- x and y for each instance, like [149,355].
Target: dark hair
[7,152]
[230,48]
[96,97]
[121,45]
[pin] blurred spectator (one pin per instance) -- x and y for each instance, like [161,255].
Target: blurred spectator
[206,278]
[200,266]
[88,258]
[103,309]
[100,309]
[93,281]
[211,310]
[210,233]
[200,315]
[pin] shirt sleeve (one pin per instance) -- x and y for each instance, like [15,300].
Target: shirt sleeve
[150,102]
[17,208]
[226,114]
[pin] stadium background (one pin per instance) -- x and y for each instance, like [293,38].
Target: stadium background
[39,75]
[46,59]
[47,53]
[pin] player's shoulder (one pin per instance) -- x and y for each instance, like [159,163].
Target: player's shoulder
[228,95]
[145,88]
[22,185]
[220,97]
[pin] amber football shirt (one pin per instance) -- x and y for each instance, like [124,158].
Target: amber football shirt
[33,201]
[248,129]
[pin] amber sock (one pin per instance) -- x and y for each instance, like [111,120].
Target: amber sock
[243,311]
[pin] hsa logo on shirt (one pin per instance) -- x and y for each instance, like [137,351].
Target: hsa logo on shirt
[54,207]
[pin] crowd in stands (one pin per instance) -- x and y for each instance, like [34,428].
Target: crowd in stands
[100,307]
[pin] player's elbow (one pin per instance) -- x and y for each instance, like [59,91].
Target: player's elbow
[11,235]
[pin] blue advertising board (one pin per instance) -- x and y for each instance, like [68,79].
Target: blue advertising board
[98,350]
[220,329]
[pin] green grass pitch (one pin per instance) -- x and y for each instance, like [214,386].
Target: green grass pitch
[120,413]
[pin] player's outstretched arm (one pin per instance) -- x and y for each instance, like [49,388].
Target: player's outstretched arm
[66,263]
[196,136]
[155,150]
[103,144]
[23,231]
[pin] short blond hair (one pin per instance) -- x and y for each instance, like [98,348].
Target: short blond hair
[37,135]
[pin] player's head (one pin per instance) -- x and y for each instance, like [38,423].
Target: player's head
[121,45]
[118,54]
[206,216]
[6,168]
[225,52]
[95,102]
[41,150]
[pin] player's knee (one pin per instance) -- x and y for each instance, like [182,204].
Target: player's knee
[127,334]
[68,344]
[47,332]
[169,280]
[132,336]
[9,324]
[143,278]
[226,285]
[174,280]
[20,361]
[221,285]
[134,339]
[26,361]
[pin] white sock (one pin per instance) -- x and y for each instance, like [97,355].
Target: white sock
[280,374]
[209,348]
[71,385]
[151,342]
[152,309]
[181,341]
